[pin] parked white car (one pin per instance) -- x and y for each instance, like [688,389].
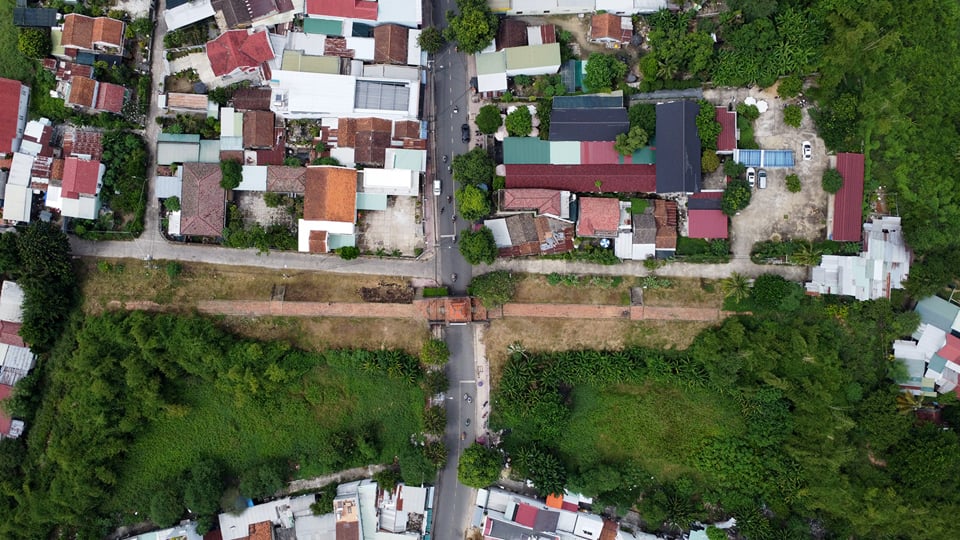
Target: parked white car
[751,176]
[807,150]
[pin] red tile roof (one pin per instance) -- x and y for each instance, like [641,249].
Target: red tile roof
[252,99]
[10,334]
[349,9]
[83,32]
[63,70]
[330,194]
[707,224]
[110,97]
[526,515]
[665,215]
[583,178]
[606,26]
[82,142]
[598,217]
[9,112]
[260,531]
[318,242]
[544,201]
[5,419]
[390,44]
[951,350]
[727,141]
[258,129]
[202,200]
[239,49]
[80,177]
[848,202]
[82,92]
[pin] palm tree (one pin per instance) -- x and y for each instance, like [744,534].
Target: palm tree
[908,403]
[806,255]
[736,286]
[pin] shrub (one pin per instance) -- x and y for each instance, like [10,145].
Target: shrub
[790,86]
[488,119]
[232,172]
[272,200]
[172,203]
[733,169]
[34,42]
[832,181]
[494,289]
[348,253]
[434,352]
[793,183]
[792,115]
[174,269]
[710,161]
[748,112]
[736,197]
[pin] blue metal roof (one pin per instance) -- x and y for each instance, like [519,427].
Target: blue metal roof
[765,158]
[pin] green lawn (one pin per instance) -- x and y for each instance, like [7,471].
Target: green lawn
[657,424]
[13,65]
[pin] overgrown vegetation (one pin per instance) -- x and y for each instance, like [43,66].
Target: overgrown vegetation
[494,289]
[783,456]
[800,251]
[189,415]
[698,250]
[237,234]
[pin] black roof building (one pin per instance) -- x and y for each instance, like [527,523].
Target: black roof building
[678,147]
[34,17]
[588,124]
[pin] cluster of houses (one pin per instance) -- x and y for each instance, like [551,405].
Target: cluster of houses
[361,510]
[354,69]
[16,360]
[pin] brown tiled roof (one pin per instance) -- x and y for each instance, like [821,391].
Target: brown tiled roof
[83,32]
[390,44]
[337,46]
[369,137]
[598,217]
[512,33]
[252,99]
[202,200]
[178,100]
[260,531]
[286,179]
[110,97]
[274,155]
[371,147]
[82,90]
[318,242]
[63,70]
[258,129]
[10,334]
[231,155]
[82,143]
[544,201]
[406,129]
[330,194]
[665,214]
[605,26]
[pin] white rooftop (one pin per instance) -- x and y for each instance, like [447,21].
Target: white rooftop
[401,182]
[11,302]
[405,12]
[254,178]
[187,14]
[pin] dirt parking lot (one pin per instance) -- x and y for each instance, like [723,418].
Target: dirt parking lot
[396,228]
[775,213]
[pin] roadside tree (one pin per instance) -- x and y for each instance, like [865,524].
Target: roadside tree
[472,202]
[478,246]
[488,119]
[434,352]
[479,466]
[473,28]
[473,168]
[431,40]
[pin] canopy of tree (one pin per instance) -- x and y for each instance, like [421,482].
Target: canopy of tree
[431,40]
[473,28]
[488,119]
[475,167]
[479,466]
[790,424]
[736,197]
[134,406]
[494,289]
[232,174]
[472,202]
[604,72]
[628,143]
[34,42]
[519,122]
[478,246]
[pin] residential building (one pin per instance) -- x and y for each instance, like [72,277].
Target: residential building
[258,129]
[329,209]
[395,182]
[14,98]
[665,215]
[252,99]
[599,217]
[511,33]
[390,42]
[524,234]
[16,360]
[610,29]
[547,202]
[291,180]
[704,216]
[239,55]
[596,117]
[27,17]
[640,241]
[79,195]
[244,14]
[848,202]
[562,7]
[343,9]
[191,103]
[494,67]
[533,151]
[678,147]
[82,143]
[18,193]
[631,7]
[322,95]
[932,356]
[36,138]
[180,13]
[883,265]
[584,178]
[184,531]
[91,34]
[86,93]
[203,204]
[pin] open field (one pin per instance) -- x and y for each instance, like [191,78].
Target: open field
[13,65]
[319,334]
[550,335]
[535,289]
[685,292]
[656,424]
[131,280]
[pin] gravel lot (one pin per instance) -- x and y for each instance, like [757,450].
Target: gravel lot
[775,213]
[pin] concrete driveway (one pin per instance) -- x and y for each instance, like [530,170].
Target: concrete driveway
[775,213]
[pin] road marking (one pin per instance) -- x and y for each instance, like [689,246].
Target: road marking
[471,381]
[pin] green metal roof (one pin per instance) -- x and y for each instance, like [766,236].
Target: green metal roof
[565,152]
[526,151]
[490,63]
[209,151]
[645,156]
[371,201]
[178,137]
[297,61]
[533,56]
[56,41]
[335,241]
[938,312]
[409,159]
[327,27]
[177,152]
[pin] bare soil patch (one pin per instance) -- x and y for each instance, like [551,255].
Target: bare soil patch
[388,293]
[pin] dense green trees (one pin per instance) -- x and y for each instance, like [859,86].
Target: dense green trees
[431,40]
[488,119]
[472,202]
[34,42]
[709,161]
[473,28]
[831,181]
[644,115]
[124,180]
[628,143]
[232,174]
[434,352]
[479,466]
[520,122]
[604,72]
[707,126]
[478,246]
[736,197]
[475,167]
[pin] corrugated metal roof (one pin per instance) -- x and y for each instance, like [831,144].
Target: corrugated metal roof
[707,224]
[174,152]
[848,202]
[589,101]
[328,27]
[533,56]
[678,147]
[565,153]
[525,150]
[588,124]
[371,201]
[491,63]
